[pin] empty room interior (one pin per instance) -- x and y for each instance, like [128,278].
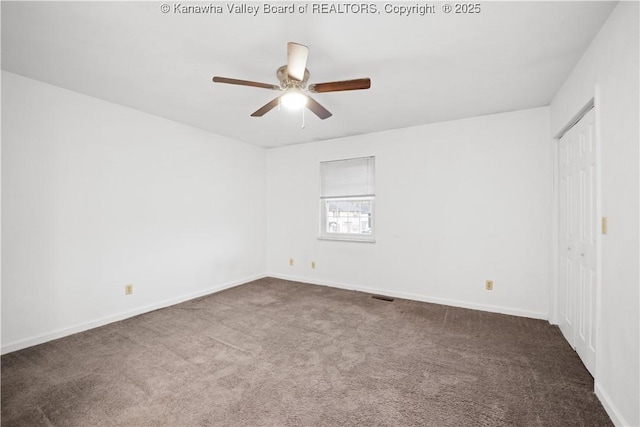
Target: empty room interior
[307,213]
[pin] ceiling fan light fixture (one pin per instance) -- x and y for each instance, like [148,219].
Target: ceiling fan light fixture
[293,77]
[294,99]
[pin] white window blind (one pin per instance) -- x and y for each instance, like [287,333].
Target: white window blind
[348,178]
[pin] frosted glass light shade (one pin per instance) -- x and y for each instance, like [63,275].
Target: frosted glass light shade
[294,99]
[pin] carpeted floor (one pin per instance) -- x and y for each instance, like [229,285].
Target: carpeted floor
[278,353]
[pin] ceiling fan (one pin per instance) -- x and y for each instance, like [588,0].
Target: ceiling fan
[293,79]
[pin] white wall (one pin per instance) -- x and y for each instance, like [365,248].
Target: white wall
[611,63]
[96,195]
[456,203]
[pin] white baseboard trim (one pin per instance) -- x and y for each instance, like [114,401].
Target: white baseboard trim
[60,333]
[416,297]
[608,405]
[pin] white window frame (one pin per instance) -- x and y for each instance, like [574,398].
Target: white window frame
[325,234]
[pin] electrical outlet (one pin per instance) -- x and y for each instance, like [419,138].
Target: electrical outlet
[128,289]
[604,225]
[313,264]
[290,261]
[489,285]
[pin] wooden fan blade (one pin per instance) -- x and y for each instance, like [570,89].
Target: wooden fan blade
[266,108]
[245,83]
[317,109]
[355,84]
[297,55]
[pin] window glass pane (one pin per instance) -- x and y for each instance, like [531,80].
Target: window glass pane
[348,216]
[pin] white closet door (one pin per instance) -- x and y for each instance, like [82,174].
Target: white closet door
[567,241]
[578,238]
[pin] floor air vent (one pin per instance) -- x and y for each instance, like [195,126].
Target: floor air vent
[382,298]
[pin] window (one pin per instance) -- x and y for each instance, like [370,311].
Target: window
[347,197]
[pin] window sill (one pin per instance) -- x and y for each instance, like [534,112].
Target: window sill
[346,239]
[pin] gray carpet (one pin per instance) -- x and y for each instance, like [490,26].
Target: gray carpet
[278,353]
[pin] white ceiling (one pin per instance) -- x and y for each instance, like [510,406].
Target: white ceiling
[423,69]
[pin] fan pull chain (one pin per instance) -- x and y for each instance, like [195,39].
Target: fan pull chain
[303,118]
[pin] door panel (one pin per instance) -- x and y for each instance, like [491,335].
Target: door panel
[567,246]
[579,238]
[587,259]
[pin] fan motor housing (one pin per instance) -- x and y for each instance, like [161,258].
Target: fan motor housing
[286,82]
